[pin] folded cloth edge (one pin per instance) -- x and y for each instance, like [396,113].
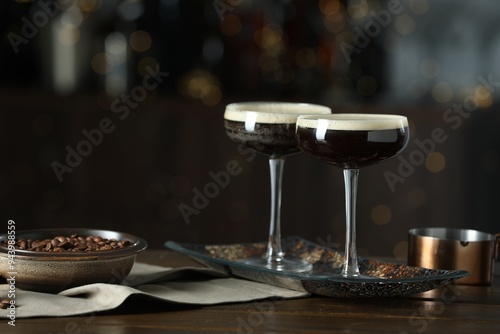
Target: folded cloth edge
[186,285]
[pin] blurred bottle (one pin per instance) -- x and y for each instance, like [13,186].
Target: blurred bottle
[85,47]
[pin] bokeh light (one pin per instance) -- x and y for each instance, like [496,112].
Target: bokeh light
[140,41]
[358,10]
[381,214]
[116,48]
[329,7]
[334,22]
[400,251]
[271,38]
[419,7]
[442,92]
[88,6]
[201,85]
[435,162]
[483,96]
[404,24]
[130,10]
[72,17]
[69,36]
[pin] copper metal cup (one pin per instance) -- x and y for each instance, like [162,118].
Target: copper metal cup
[451,248]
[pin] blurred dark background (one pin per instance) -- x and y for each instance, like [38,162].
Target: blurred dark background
[67,66]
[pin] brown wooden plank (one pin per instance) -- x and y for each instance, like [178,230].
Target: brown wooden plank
[456,309]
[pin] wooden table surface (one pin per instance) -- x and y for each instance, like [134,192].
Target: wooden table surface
[452,309]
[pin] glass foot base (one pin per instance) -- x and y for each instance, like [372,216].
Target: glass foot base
[361,276]
[291,265]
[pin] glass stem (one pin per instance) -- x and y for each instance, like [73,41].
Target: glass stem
[350,268]
[274,252]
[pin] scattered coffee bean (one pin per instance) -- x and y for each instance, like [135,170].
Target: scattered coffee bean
[73,243]
[4,303]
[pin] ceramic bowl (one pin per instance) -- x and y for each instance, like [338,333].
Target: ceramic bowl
[53,272]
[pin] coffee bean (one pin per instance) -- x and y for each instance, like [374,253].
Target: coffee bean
[73,243]
[37,244]
[4,303]
[63,244]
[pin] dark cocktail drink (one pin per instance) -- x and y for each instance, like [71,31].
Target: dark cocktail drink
[352,141]
[269,129]
[266,138]
[353,145]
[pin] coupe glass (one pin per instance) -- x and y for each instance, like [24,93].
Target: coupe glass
[352,141]
[268,128]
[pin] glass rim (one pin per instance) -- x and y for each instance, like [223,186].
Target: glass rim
[286,112]
[348,117]
[353,121]
[263,107]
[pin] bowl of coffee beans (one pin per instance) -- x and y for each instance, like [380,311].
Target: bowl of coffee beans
[52,260]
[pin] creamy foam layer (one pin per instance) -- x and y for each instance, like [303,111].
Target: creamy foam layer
[353,122]
[272,112]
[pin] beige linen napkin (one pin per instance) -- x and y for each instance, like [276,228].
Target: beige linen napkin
[196,286]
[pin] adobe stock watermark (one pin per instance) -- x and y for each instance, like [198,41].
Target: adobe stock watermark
[121,106]
[43,12]
[255,318]
[454,117]
[219,180]
[223,6]
[423,317]
[377,22]
[11,273]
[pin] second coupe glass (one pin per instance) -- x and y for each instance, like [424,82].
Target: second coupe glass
[268,128]
[352,141]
